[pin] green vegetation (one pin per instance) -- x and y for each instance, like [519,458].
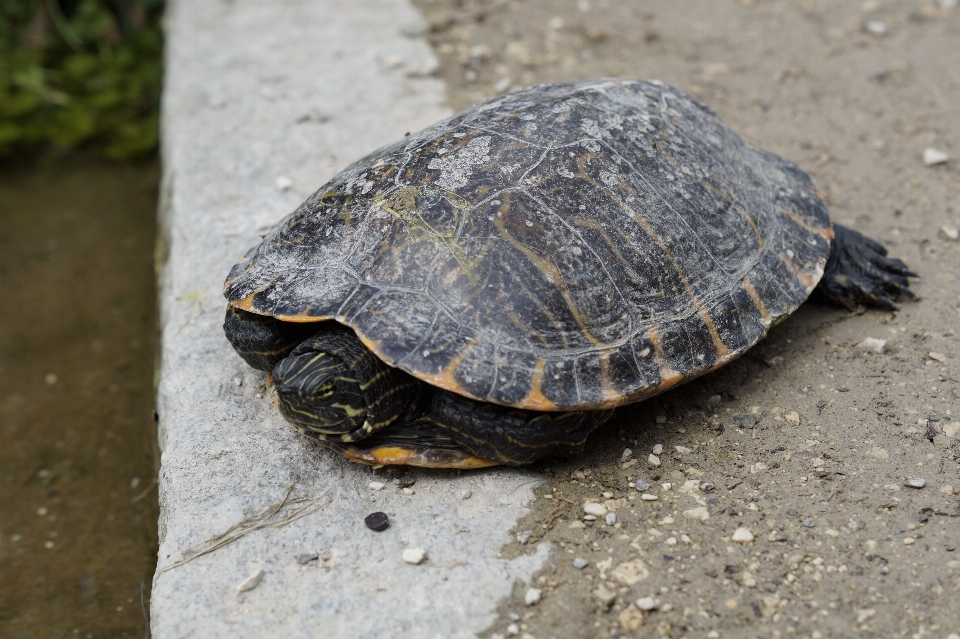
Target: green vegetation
[74,72]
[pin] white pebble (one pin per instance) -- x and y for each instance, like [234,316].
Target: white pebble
[409,491]
[873,345]
[589,518]
[465,494]
[626,455]
[284,183]
[611,519]
[658,449]
[915,482]
[413,555]
[648,497]
[877,27]
[513,630]
[250,582]
[579,563]
[950,232]
[532,596]
[653,460]
[742,535]
[667,485]
[524,537]
[595,509]
[376,485]
[932,156]
[646,604]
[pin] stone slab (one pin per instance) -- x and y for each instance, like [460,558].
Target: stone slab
[263,102]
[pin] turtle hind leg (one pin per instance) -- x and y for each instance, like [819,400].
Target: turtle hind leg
[858,272]
[512,436]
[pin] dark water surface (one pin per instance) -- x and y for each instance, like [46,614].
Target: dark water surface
[78,506]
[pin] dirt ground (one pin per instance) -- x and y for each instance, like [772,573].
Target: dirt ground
[807,441]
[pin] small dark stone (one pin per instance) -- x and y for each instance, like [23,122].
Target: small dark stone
[710,573]
[377,521]
[843,389]
[809,523]
[756,609]
[668,557]
[932,431]
[950,544]
[306,558]
[821,405]
[792,513]
[745,421]
[769,587]
[922,518]
[934,417]
[731,569]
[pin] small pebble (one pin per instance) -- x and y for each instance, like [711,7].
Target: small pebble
[646,604]
[648,497]
[706,487]
[667,485]
[661,419]
[595,509]
[524,537]
[950,544]
[809,523]
[284,183]
[915,482]
[940,357]
[42,511]
[413,555]
[377,521]
[250,582]
[48,545]
[877,27]
[409,491]
[579,563]
[653,460]
[742,535]
[626,455]
[658,449]
[531,597]
[949,232]
[642,486]
[513,630]
[465,494]
[50,378]
[306,558]
[932,156]
[884,570]
[589,518]
[873,345]
[909,541]
[376,485]
[611,519]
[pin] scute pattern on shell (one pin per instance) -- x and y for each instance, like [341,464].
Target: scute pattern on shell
[567,246]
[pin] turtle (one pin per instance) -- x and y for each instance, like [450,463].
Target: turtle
[490,289]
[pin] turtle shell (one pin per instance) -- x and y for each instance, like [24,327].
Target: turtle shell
[567,246]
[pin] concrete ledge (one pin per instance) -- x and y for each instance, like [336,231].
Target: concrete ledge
[265,101]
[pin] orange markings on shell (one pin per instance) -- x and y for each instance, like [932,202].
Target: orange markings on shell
[394,456]
[535,399]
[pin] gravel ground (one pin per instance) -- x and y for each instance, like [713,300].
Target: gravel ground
[785,500]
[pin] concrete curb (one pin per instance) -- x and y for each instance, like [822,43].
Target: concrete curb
[263,103]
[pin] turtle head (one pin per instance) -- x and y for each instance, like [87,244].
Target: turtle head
[318,392]
[333,388]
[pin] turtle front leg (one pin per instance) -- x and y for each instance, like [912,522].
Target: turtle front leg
[513,436]
[858,272]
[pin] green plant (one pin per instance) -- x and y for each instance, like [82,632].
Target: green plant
[80,71]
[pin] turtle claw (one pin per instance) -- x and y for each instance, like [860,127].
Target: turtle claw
[859,273]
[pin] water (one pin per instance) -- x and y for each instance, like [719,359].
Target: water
[78,506]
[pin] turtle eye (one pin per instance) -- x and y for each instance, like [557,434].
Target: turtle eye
[326,390]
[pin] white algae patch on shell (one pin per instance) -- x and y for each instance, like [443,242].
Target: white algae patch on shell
[569,246]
